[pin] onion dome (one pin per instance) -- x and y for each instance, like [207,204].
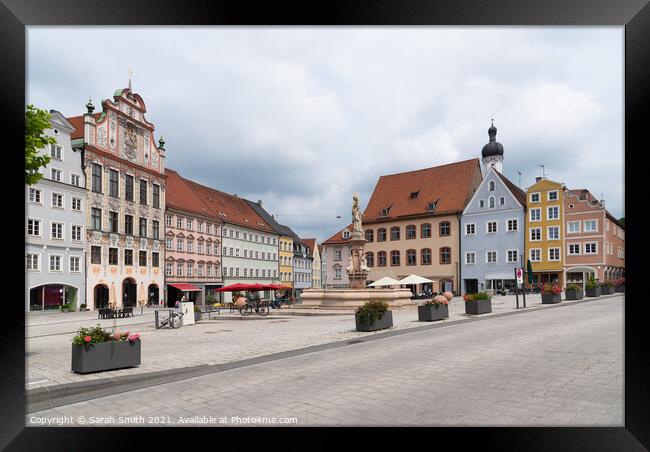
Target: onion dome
[493,148]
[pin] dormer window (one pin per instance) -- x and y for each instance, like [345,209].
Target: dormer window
[384,212]
[346,234]
[432,206]
[415,194]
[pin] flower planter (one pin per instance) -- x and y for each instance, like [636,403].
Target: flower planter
[386,321]
[105,356]
[619,289]
[551,298]
[592,292]
[430,312]
[574,294]
[607,290]
[478,306]
[197,316]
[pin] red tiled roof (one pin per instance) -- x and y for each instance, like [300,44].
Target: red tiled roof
[180,196]
[311,243]
[338,237]
[78,124]
[451,185]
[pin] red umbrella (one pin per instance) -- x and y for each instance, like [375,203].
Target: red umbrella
[239,287]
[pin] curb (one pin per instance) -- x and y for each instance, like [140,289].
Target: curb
[48,397]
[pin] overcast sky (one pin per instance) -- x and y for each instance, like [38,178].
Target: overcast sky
[302,118]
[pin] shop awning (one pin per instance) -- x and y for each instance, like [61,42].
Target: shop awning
[186,287]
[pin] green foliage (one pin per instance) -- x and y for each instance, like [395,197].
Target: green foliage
[36,121]
[65,306]
[89,336]
[622,221]
[477,296]
[197,308]
[210,299]
[573,287]
[591,283]
[372,310]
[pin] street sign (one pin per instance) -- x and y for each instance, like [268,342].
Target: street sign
[519,275]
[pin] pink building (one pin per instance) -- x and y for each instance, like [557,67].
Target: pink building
[192,244]
[594,239]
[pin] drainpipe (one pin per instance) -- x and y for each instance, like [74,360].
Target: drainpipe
[458,274]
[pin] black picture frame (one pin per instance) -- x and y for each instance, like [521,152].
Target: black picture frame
[634,15]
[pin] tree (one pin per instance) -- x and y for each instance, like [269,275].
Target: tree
[622,221]
[36,121]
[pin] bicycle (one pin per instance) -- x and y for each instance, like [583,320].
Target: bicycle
[260,307]
[175,320]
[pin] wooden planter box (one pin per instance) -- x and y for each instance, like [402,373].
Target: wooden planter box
[430,312]
[574,294]
[593,292]
[619,289]
[551,298]
[607,290]
[105,356]
[478,306]
[386,321]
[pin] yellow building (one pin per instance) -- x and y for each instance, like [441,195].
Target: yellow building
[545,231]
[286,261]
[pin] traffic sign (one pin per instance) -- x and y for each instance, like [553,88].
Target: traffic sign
[519,275]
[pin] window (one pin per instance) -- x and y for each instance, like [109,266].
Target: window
[76,204]
[381,235]
[33,262]
[381,259]
[128,188]
[536,214]
[553,212]
[534,197]
[502,200]
[592,248]
[199,226]
[337,272]
[112,222]
[95,255]
[169,243]
[470,229]
[574,227]
[491,257]
[491,185]
[190,246]
[113,183]
[35,195]
[208,270]
[55,263]
[425,256]
[56,174]
[168,220]
[491,202]
[370,235]
[128,257]
[481,203]
[112,256]
[410,231]
[97,178]
[179,223]
[491,227]
[513,256]
[370,259]
[591,226]
[57,230]
[394,233]
[156,229]
[535,234]
[445,229]
[394,258]
[337,254]
[200,270]
[553,233]
[535,255]
[143,227]
[513,225]
[75,180]
[76,233]
[552,195]
[445,255]
[56,151]
[168,269]
[57,200]
[470,258]
[574,249]
[199,247]
[179,269]
[128,224]
[554,254]
[142,259]
[411,257]
[156,196]
[96,218]
[425,230]
[143,192]
[189,226]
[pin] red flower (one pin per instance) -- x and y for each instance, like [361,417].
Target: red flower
[87,338]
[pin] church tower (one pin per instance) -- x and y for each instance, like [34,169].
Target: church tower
[492,152]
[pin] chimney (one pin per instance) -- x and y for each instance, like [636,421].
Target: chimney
[259,202]
[538,178]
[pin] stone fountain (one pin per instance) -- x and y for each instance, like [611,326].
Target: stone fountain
[357,294]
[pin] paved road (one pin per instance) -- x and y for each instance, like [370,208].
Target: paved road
[552,367]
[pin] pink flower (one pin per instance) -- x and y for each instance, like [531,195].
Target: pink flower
[117,336]
[87,338]
[134,337]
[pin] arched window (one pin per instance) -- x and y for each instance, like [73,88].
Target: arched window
[410,231]
[381,259]
[394,258]
[381,235]
[491,201]
[370,259]
[425,258]
[491,185]
[370,235]
[425,230]
[394,233]
[445,229]
[445,255]
[411,257]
